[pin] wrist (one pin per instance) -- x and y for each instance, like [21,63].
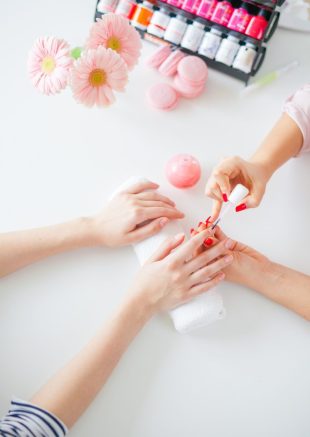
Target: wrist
[139,306]
[89,232]
[263,276]
[263,165]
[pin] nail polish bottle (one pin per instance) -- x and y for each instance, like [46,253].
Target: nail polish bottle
[228,50]
[142,15]
[176,29]
[245,57]
[174,3]
[210,43]
[258,24]
[126,8]
[241,17]
[211,9]
[191,6]
[159,22]
[222,13]
[107,6]
[193,36]
[204,7]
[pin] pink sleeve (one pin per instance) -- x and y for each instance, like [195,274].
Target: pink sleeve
[298,108]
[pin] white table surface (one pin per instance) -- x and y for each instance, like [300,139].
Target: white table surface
[247,375]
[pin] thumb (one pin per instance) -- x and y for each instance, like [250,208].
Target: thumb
[166,248]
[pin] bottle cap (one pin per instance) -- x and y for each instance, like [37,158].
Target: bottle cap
[198,24]
[216,30]
[264,13]
[233,38]
[238,194]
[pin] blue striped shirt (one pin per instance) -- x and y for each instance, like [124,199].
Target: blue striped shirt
[27,420]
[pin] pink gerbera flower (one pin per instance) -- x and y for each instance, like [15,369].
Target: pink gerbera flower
[49,64]
[114,32]
[96,74]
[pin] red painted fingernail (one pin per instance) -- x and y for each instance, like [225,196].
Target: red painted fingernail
[241,207]
[199,224]
[192,230]
[225,198]
[208,242]
[208,221]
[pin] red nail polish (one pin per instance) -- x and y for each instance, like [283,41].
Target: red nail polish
[241,207]
[209,221]
[199,224]
[225,198]
[208,242]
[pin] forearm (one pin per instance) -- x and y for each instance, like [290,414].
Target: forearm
[73,388]
[18,249]
[282,143]
[284,286]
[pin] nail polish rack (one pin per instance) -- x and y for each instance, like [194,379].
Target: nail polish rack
[172,8]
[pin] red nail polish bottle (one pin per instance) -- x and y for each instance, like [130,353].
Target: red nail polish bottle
[258,24]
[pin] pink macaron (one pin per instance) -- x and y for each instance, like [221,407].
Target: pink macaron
[183,171]
[186,90]
[193,70]
[159,56]
[170,64]
[162,96]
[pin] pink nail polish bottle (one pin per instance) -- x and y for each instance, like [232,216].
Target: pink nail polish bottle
[211,9]
[191,6]
[174,3]
[258,24]
[241,17]
[222,13]
[204,7]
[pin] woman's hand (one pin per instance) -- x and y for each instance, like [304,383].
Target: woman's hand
[173,275]
[228,174]
[248,264]
[133,215]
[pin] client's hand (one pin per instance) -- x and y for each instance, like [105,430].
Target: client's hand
[173,275]
[133,215]
[248,264]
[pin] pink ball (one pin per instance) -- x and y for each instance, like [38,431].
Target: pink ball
[183,171]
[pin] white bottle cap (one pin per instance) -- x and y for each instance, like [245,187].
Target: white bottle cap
[238,194]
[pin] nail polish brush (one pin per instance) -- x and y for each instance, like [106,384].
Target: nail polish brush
[235,197]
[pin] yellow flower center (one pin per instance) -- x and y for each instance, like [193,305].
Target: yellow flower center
[97,77]
[48,65]
[114,44]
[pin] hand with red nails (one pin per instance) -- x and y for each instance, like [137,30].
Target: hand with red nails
[174,275]
[133,215]
[228,174]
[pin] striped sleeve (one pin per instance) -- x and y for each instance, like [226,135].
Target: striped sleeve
[27,420]
[297,107]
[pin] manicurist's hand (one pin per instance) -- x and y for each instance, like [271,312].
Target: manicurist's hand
[233,171]
[173,275]
[133,215]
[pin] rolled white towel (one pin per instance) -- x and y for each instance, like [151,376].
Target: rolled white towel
[200,311]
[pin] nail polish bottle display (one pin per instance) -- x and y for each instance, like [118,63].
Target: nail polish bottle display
[191,6]
[241,17]
[203,8]
[228,50]
[193,36]
[106,6]
[176,29]
[245,57]
[210,43]
[126,8]
[258,24]
[222,13]
[159,22]
[142,15]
